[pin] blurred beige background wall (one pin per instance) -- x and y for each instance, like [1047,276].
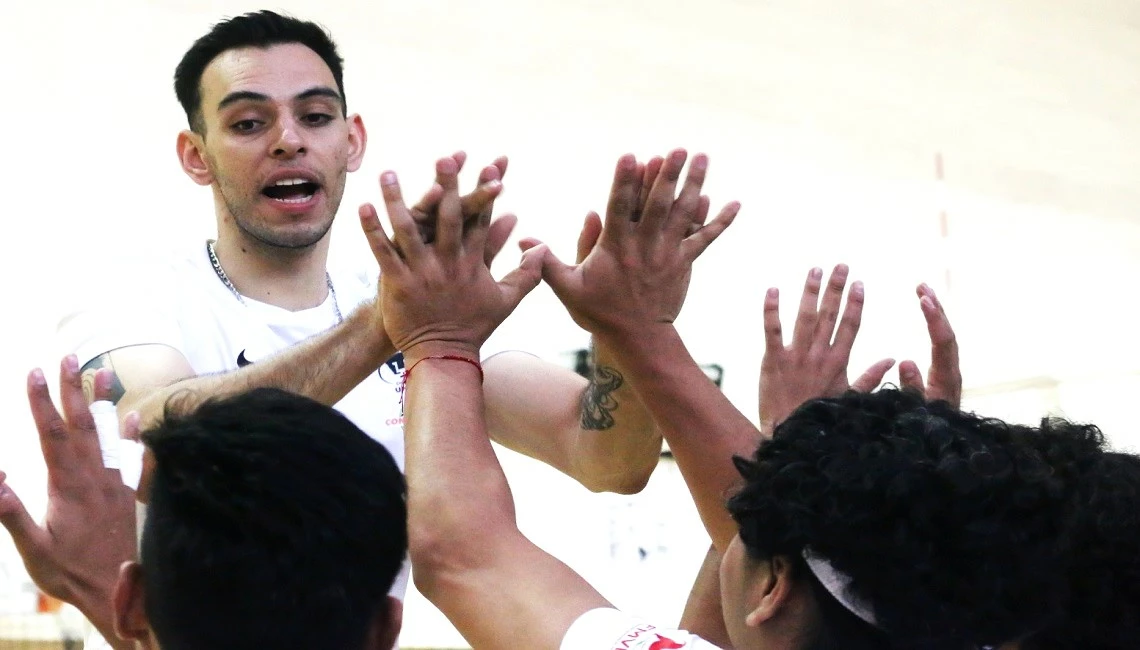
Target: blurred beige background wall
[825,118]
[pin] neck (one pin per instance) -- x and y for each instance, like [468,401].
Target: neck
[292,279]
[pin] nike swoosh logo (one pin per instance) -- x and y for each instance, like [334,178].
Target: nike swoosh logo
[242,361]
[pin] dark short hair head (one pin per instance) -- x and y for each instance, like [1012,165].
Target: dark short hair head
[954,527]
[261,29]
[273,522]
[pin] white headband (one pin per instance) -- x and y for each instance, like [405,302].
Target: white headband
[837,584]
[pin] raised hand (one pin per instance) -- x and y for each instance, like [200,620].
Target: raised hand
[634,269]
[440,293]
[477,206]
[944,380]
[815,364]
[89,529]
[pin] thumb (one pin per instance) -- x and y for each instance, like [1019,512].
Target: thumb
[871,379]
[497,234]
[521,281]
[591,230]
[25,532]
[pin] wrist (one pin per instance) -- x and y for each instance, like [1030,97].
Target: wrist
[419,351]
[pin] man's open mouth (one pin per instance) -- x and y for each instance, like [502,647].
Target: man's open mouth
[292,190]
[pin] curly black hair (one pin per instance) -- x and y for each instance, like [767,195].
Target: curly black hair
[956,528]
[1104,613]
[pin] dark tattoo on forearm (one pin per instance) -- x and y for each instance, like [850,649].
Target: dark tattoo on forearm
[87,374]
[598,402]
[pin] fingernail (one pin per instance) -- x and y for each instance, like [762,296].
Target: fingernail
[773,292]
[701,162]
[72,363]
[677,156]
[38,377]
[927,303]
[817,273]
[857,289]
[388,178]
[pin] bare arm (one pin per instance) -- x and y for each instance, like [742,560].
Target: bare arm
[325,368]
[469,558]
[703,613]
[625,292]
[593,429]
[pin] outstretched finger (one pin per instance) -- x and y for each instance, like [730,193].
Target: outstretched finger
[829,306]
[623,201]
[57,446]
[849,326]
[387,255]
[661,196]
[649,176]
[943,342]
[808,312]
[498,232]
[478,205]
[696,243]
[405,234]
[449,228]
[873,377]
[686,209]
[77,412]
[773,329]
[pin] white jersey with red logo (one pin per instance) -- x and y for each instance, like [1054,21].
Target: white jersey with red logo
[610,629]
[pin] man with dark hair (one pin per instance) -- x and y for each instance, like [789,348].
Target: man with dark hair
[274,522]
[262,306]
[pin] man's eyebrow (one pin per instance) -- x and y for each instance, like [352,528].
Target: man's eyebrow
[320,91]
[242,95]
[249,95]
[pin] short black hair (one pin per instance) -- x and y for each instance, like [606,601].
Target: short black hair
[954,527]
[260,29]
[273,522]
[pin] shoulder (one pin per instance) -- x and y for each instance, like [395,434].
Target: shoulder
[611,629]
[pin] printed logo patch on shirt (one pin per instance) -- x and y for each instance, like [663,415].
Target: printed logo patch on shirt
[392,370]
[648,637]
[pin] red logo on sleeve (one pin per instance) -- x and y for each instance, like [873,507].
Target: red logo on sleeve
[663,643]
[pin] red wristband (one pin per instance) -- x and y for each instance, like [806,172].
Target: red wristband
[442,357]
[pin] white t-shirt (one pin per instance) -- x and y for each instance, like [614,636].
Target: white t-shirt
[184,305]
[610,629]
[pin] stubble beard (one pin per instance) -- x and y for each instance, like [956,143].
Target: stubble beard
[243,212]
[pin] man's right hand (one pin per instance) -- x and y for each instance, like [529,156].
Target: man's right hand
[89,529]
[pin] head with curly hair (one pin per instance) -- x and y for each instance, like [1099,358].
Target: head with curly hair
[885,521]
[1104,612]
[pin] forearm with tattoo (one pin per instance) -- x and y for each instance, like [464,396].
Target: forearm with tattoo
[598,401]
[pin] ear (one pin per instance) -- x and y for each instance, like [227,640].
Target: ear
[386,625]
[770,591]
[192,156]
[129,603]
[357,142]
